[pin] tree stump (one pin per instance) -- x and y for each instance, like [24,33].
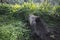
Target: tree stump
[39,29]
[57,31]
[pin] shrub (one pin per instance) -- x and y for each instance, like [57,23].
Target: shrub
[14,31]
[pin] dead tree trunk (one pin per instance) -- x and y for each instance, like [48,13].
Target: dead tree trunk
[39,29]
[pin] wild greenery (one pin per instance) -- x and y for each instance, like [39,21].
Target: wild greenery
[13,25]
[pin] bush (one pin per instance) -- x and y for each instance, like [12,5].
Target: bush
[14,31]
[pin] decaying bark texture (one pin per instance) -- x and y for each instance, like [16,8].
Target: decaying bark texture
[39,28]
[57,31]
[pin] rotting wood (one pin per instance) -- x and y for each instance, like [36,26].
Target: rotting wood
[39,28]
